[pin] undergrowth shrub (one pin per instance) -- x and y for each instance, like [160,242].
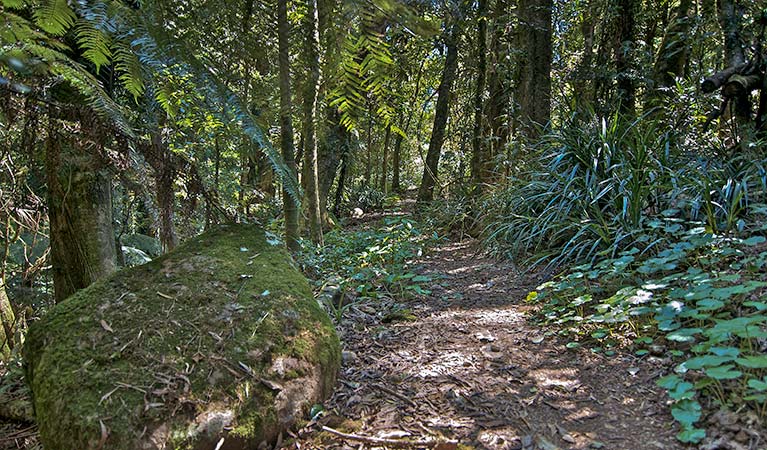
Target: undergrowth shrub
[370,263]
[590,189]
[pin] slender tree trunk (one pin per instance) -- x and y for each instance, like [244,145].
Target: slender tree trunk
[369,150]
[498,104]
[430,170]
[396,163]
[330,157]
[623,53]
[673,52]
[342,176]
[312,49]
[535,71]
[385,161]
[336,136]
[730,14]
[584,81]
[164,176]
[290,209]
[479,157]
[79,204]
[7,323]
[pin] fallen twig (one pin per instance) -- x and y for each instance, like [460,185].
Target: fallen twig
[396,394]
[395,443]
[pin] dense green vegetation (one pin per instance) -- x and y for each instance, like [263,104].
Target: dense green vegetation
[617,147]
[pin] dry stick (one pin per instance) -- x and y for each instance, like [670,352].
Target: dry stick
[396,443]
[396,394]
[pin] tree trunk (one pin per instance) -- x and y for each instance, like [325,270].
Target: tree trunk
[498,104]
[79,204]
[535,65]
[164,176]
[397,153]
[673,52]
[342,176]
[330,156]
[730,14]
[369,150]
[623,53]
[385,161]
[289,207]
[584,73]
[312,50]
[395,164]
[7,323]
[479,157]
[430,170]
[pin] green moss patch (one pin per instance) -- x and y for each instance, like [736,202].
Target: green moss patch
[219,339]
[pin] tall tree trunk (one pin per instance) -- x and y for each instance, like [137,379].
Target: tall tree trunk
[623,54]
[730,14]
[312,50]
[385,161]
[535,71]
[369,150]
[330,157]
[673,52]
[430,170]
[164,176]
[584,76]
[289,207]
[336,136]
[479,157]
[7,323]
[79,204]
[396,164]
[397,153]
[498,104]
[342,176]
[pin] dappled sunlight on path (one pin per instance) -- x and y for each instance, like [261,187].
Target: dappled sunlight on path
[471,367]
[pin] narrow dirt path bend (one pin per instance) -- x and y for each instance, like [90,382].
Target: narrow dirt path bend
[471,367]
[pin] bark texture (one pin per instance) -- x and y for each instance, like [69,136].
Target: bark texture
[623,54]
[312,51]
[79,203]
[289,207]
[535,65]
[479,157]
[7,323]
[674,48]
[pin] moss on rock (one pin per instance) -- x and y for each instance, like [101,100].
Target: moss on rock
[219,339]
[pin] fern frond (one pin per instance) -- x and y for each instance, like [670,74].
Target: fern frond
[94,42]
[127,64]
[15,4]
[85,83]
[55,17]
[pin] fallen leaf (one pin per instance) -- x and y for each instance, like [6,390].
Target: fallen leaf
[446,446]
[106,326]
[104,435]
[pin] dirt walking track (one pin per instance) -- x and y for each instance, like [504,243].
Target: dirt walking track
[471,368]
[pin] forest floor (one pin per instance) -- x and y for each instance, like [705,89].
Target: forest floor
[471,367]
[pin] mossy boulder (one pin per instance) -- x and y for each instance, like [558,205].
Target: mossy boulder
[219,339]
